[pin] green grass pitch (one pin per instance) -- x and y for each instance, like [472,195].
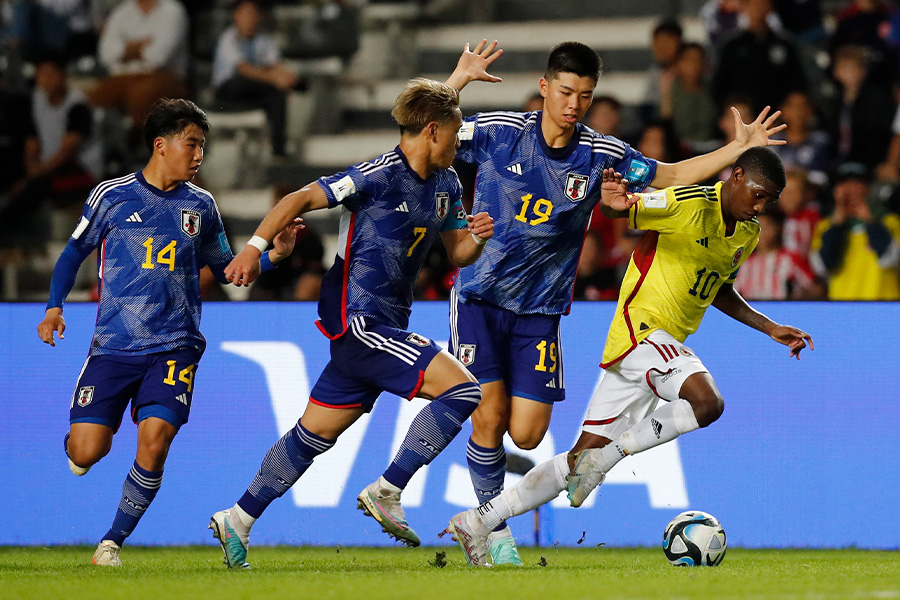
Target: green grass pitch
[324,573]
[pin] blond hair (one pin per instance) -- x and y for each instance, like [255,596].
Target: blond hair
[423,101]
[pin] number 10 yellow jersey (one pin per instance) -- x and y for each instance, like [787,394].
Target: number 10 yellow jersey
[678,267]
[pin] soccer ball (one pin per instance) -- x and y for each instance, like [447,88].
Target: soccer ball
[694,538]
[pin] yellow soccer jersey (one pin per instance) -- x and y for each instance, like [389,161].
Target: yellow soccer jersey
[678,267]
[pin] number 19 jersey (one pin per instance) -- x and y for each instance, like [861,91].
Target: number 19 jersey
[678,267]
[541,200]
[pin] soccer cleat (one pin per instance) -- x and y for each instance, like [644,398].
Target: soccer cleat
[472,536]
[586,474]
[234,546]
[384,506]
[107,554]
[72,466]
[503,549]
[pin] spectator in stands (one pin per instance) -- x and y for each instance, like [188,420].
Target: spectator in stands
[860,110]
[665,45]
[658,141]
[726,125]
[40,26]
[773,272]
[70,159]
[864,23]
[801,213]
[686,99]
[758,62]
[605,115]
[248,71]
[17,131]
[721,19]
[855,249]
[807,147]
[144,47]
[299,276]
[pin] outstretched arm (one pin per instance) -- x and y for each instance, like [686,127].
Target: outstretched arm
[732,304]
[244,268]
[472,66]
[748,135]
[614,197]
[464,246]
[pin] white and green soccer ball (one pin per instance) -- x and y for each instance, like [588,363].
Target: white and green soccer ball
[694,538]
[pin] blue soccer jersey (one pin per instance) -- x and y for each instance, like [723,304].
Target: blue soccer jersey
[152,245]
[541,200]
[390,219]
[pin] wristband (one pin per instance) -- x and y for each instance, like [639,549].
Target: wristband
[259,243]
[478,241]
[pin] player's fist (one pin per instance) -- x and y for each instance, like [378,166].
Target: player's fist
[481,226]
[53,322]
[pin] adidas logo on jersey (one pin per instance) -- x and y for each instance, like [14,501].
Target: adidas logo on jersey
[182,398]
[551,384]
[134,218]
[402,208]
[704,242]
[516,168]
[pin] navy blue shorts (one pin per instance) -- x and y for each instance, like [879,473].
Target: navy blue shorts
[523,351]
[369,359]
[157,385]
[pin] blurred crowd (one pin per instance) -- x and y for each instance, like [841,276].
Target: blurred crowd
[833,69]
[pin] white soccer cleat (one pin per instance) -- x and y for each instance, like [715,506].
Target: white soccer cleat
[384,506]
[234,540]
[76,469]
[107,554]
[471,535]
[586,474]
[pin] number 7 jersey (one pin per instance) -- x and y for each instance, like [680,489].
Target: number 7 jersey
[678,267]
[541,200]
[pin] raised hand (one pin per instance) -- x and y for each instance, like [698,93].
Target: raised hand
[473,65]
[760,131]
[53,323]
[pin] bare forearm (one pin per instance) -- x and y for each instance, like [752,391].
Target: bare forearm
[291,206]
[698,168]
[466,252]
[732,304]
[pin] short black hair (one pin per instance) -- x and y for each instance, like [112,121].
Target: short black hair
[53,57]
[573,57]
[669,26]
[170,116]
[764,162]
[607,99]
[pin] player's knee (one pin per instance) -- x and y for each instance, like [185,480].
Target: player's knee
[526,440]
[491,419]
[708,407]
[87,452]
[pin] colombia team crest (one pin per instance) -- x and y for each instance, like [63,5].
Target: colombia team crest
[576,186]
[442,204]
[190,222]
[737,257]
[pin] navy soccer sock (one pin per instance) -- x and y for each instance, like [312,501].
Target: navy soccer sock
[138,492]
[433,428]
[282,466]
[487,468]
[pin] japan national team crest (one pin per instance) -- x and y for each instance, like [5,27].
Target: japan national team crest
[85,395]
[737,257]
[190,222]
[441,204]
[576,186]
[467,354]
[418,340]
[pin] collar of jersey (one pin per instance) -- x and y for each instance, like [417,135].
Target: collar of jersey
[170,194]
[409,169]
[556,153]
